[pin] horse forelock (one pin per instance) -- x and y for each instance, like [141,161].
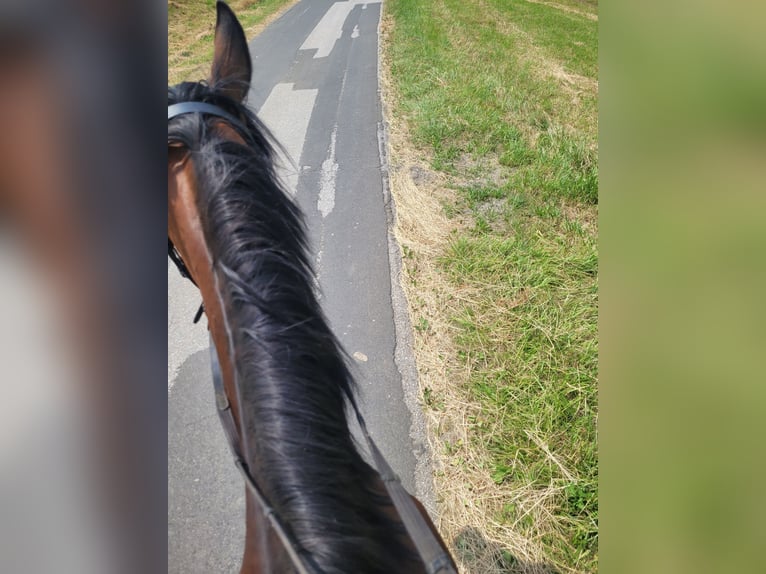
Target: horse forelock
[292,374]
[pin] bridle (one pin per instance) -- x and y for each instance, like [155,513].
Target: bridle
[434,557]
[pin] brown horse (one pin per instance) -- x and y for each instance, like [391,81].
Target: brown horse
[312,503]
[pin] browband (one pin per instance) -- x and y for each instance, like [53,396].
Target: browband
[202,108]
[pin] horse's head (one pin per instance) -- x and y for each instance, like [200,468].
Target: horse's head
[227,86]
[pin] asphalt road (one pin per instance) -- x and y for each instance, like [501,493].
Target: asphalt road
[316,86]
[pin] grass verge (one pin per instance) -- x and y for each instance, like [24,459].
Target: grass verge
[191,24]
[492,108]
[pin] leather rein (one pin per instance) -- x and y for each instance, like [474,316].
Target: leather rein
[435,559]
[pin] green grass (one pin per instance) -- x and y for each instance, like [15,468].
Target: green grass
[531,342]
[476,86]
[480,86]
[191,24]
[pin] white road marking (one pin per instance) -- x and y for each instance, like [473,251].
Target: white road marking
[326,201]
[287,113]
[355,32]
[330,27]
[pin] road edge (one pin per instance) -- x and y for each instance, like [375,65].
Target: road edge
[404,358]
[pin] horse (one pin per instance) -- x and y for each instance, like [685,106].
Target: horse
[281,378]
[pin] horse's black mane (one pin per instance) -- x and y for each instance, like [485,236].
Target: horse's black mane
[292,375]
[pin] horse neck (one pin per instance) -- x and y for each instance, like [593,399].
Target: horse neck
[263,552]
[292,380]
[292,384]
[288,379]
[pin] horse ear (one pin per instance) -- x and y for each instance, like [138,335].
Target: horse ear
[232,68]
